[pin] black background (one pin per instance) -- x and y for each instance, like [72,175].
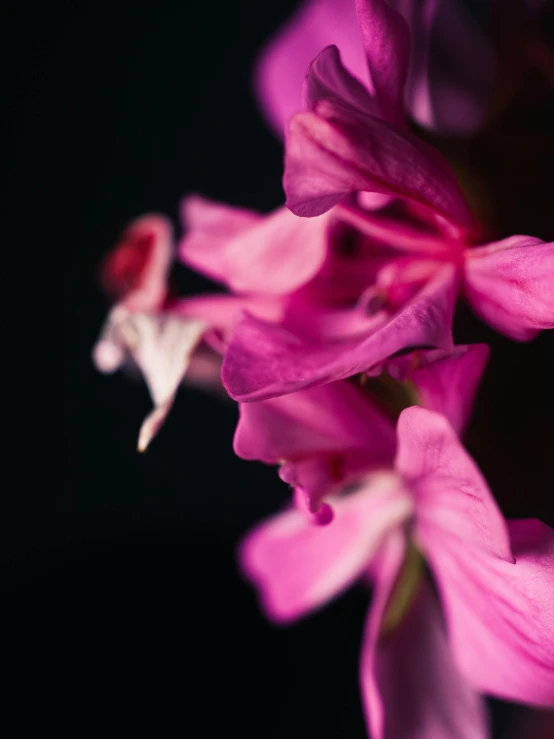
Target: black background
[123,564]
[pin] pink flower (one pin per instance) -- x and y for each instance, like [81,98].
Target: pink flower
[426,655]
[416,252]
[449,75]
[320,282]
[326,437]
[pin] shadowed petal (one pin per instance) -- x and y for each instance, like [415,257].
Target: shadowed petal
[411,686]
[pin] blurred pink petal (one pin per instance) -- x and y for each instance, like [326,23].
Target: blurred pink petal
[500,615]
[250,253]
[511,285]
[284,61]
[298,567]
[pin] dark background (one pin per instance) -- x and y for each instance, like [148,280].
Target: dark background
[123,564]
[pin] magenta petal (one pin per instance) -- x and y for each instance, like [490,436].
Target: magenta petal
[448,382]
[328,78]
[450,493]
[264,361]
[332,418]
[298,567]
[510,284]
[337,150]
[285,60]
[386,40]
[500,615]
[272,254]
[412,688]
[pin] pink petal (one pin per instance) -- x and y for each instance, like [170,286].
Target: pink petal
[209,227]
[500,615]
[337,150]
[322,437]
[328,78]
[284,61]
[386,40]
[273,254]
[411,686]
[446,382]
[327,419]
[450,492]
[510,284]
[264,361]
[221,312]
[136,270]
[297,567]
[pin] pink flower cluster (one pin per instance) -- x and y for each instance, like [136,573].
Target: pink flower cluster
[336,338]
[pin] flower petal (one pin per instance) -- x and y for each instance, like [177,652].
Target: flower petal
[298,567]
[386,40]
[336,150]
[161,346]
[500,615]
[136,270]
[450,492]
[411,686]
[273,254]
[264,361]
[327,419]
[209,227]
[284,61]
[510,284]
[327,78]
[447,382]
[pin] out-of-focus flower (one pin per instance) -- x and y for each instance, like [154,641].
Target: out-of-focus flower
[140,327]
[450,74]
[453,63]
[324,438]
[495,586]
